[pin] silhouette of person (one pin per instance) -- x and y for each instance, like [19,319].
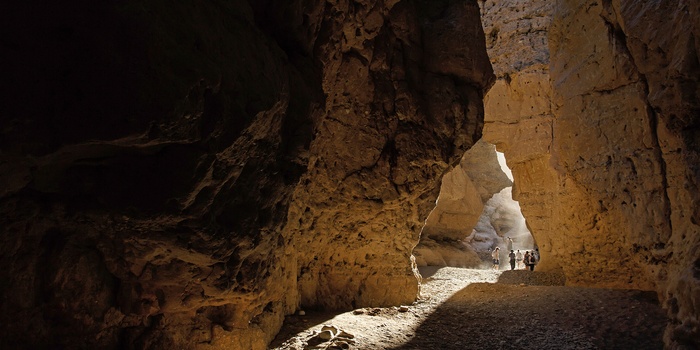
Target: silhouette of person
[533,260]
[526,259]
[512,259]
[496,260]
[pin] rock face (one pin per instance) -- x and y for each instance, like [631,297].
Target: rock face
[502,217]
[463,193]
[404,86]
[519,116]
[605,157]
[183,175]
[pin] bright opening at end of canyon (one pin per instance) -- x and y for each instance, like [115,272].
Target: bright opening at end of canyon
[475,214]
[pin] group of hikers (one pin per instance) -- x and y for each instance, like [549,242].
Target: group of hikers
[523,262]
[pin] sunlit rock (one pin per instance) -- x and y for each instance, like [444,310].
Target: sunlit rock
[500,220]
[600,140]
[463,192]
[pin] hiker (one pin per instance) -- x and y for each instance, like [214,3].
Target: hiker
[496,260]
[512,260]
[533,261]
[519,260]
[526,259]
[510,243]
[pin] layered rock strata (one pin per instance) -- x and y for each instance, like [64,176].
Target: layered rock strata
[463,192]
[603,144]
[183,175]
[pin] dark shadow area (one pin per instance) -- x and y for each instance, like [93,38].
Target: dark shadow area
[532,278]
[509,316]
[295,325]
[428,271]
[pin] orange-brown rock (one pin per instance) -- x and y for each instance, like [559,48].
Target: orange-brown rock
[463,193]
[403,84]
[601,143]
[183,175]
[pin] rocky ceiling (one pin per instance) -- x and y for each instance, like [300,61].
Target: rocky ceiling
[185,174]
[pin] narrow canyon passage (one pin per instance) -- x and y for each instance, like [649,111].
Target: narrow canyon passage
[189,175]
[480,309]
[475,213]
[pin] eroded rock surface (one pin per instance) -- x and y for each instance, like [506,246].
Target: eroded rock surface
[463,192]
[502,219]
[603,142]
[183,175]
[519,118]
[404,84]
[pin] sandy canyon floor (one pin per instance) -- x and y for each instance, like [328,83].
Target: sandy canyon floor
[482,309]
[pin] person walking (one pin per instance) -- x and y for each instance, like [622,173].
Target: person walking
[519,260]
[496,260]
[533,260]
[526,259]
[512,260]
[510,243]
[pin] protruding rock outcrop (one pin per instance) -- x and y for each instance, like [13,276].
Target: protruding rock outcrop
[518,118]
[404,86]
[184,174]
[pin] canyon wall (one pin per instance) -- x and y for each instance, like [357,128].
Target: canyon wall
[518,111]
[603,141]
[502,219]
[404,84]
[149,154]
[182,175]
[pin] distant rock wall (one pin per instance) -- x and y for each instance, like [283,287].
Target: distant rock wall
[602,141]
[502,218]
[463,193]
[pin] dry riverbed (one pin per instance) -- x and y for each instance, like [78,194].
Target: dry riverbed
[483,309]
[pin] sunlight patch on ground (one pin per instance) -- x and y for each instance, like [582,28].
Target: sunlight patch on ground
[386,327]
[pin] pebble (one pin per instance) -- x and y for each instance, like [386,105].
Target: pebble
[325,335]
[331,329]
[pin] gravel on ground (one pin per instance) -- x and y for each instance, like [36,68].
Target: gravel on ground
[485,309]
